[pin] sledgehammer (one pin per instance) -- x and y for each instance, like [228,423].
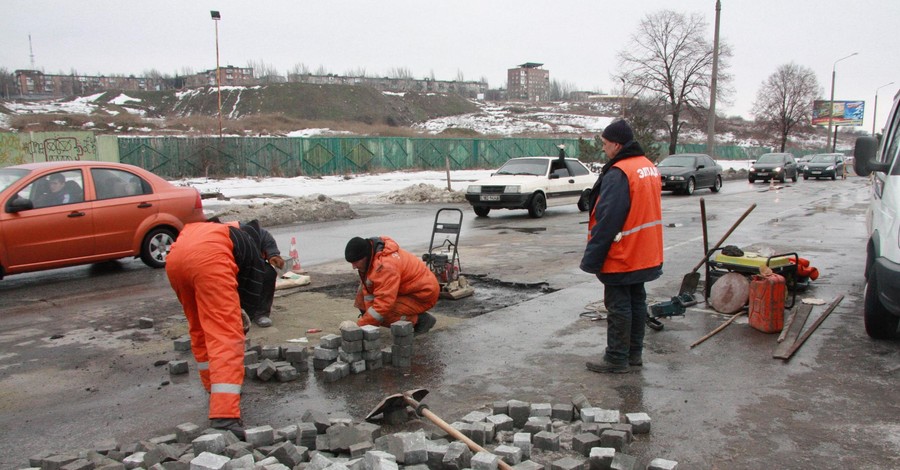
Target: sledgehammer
[411,398]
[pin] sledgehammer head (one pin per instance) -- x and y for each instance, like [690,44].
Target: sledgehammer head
[393,407]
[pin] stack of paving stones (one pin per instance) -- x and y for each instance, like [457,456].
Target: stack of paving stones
[261,362]
[402,350]
[526,436]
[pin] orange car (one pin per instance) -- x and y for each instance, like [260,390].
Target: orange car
[59,214]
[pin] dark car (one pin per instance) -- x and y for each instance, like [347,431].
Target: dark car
[685,172]
[772,166]
[824,165]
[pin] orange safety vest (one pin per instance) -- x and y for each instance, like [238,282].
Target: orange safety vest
[639,243]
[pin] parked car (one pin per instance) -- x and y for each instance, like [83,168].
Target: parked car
[59,214]
[882,293]
[778,166]
[824,165]
[685,172]
[802,161]
[533,183]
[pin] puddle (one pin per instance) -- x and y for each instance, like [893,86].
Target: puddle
[531,230]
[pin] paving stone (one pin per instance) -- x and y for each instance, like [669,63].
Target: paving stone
[580,402]
[358,367]
[546,440]
[529,465]
[500,408]
[410,448]
[623,462]
[457,457]
[387,354]
[371,344]
[375,363]
[522,440]
[286,374]
[662,464]
[273,353]
[474,417]
[403,340]
[372,354]
[464,428]
[501,422]
[536,424]
[616,439]
[509,454]
[288,433]
[371,332]
[325,353]
[135,460]
[321,364]
[260,436]
[212,443]
[296,354]
[306,434]
[250,371]
[178,367]
[401,328]
[640,422]
[333,372]
[80,464]
[349,357]
[485,461]
[266,370]
[239,449]
[562,412]
[352,346]
[483,432]
[187,432]
[352,332]
[182,344]
[436,452]
[343,436]
[624,427]
[402,350]
[330,341]
[145,322]
[375,460]
[519,411]
[208,461]
[540,409]
[244,462]
[359,449]
[599,415]
[601,458]
[568,463]
[584,442]
[344,368]
[401,361]
[354,464]
[288,454]
[250,357]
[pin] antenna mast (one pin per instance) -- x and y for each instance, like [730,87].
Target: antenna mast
[31,52]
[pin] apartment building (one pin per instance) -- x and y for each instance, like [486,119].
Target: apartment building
[528,82]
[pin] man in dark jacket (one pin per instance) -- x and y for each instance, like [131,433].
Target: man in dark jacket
[625,245]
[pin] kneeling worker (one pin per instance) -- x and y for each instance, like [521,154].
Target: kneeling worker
[394,284]
[215,269]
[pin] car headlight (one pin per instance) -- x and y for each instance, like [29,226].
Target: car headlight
[752,168]
[474,188]
[677,178]
[515,188]
[777,169]
[830,168]
[805,168]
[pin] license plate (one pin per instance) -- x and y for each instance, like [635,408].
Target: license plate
[490,197]
[763,173]
[816,172]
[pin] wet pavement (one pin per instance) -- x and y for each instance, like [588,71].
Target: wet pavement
[725,403]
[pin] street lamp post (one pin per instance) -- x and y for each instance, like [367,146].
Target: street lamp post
[831,101]
[711,120]
[216,17]
[875,109]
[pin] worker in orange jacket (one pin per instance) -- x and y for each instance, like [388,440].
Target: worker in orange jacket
[214,270]
[394,284]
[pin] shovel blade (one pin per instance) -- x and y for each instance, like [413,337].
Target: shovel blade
[689,283]
[397,401]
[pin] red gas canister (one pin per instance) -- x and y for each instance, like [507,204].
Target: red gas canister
[767,295]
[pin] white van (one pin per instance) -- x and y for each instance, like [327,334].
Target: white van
[882,302]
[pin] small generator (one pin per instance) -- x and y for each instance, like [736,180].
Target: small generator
[443,259]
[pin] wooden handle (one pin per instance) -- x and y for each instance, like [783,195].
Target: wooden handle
[720,328]
[724,237]
[458,435]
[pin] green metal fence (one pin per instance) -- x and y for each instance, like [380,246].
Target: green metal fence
[293,156]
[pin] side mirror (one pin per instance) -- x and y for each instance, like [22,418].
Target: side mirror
[700,167]
[19,204]
[554,176]
[864,154]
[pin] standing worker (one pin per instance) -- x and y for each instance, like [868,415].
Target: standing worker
[215,269]
[394,284]
[262,314]
[625,244]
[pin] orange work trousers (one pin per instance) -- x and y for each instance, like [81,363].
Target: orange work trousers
[202,271]
[406,307]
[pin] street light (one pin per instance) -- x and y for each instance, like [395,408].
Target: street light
[875,110]
[831,102]
[216,17]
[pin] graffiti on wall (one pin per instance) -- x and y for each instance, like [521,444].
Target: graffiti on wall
[47,147]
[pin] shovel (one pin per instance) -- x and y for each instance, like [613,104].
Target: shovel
[691,279]
[411,398]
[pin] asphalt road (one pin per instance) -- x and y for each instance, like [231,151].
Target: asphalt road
[723,404]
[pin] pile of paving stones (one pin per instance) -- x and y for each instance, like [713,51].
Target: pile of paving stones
[513,433]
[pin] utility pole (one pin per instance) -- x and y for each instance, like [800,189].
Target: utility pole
[216,17]
[831,103]
[711,120]
[30,52]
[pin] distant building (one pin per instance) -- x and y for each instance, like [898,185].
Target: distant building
[399,85]
[229,75]
[34,83]
[528,82]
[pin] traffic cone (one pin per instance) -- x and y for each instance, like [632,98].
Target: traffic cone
[295,257]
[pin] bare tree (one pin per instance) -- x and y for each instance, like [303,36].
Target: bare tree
[400,72]
[321,71]
[298,69]
[669,60]
[265,73]
[357,72]
[561,90]
[785,100]
[460,76]
[7,83]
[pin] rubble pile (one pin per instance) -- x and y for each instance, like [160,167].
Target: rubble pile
[525,436]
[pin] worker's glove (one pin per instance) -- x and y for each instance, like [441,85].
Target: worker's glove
[277,261]
[361,313]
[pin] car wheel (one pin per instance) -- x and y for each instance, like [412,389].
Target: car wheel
[538,205]
[880,324]
[717,185]
[752,180]
[584,202]
[481,211]
[691,185]
[782,178]
[794,178]
[805,176]
[156,245]
[834,176]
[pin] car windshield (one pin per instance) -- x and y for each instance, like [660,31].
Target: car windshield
[771,158]
[822,159]
[678,160]
[525,166]
[8,176]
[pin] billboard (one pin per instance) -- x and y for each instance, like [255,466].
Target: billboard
[844,113]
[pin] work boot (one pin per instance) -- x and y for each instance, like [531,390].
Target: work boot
[635,360]
[246,321]
[425,322]
[263,321]
[605,367]
[233,425]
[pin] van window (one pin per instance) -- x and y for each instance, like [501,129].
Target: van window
[892,134]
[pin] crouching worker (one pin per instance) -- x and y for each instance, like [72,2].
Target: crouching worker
[262,313]
[394,284]
[215,269]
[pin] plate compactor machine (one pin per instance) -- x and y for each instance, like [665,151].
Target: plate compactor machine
[443,259]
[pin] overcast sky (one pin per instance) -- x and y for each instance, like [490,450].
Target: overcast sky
[577,40]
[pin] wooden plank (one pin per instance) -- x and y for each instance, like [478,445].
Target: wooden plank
[720,328]
[795,325]
[812,328]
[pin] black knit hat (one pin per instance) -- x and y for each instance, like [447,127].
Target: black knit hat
[357,249]
[619,132]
